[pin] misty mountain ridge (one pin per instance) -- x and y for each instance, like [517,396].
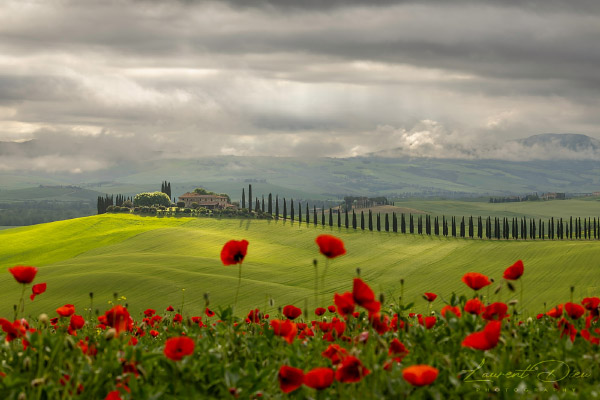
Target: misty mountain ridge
[546,146]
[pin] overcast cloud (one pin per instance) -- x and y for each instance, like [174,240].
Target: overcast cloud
[193,78]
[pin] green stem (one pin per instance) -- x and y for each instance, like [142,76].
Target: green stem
[22,303]
[237,292]
[324,273]
[521,296]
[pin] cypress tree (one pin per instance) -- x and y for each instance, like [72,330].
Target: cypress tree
[299,212]
[330,217]
[378,222]
[314,215]
[436,226]
[323,215]
[479,228]
[571,228]
[387,223]
[339,218]
[284,209]
[444,231]
[257,205]
[585,228]
[370,220]
[427,225]
[250,197]
[292,209]
[411,224]
[462,227]
[394,222]
[169,189]
[270,206]
[307,214]
[362,220]
[420,225]
[402,223]
[346,218]
[353,219]
[533,228]
[595,236]
[263,203]
[453,227]
[277,206]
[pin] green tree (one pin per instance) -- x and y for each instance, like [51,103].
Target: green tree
[243,199]
[151,199]
[249,197]
[330,217]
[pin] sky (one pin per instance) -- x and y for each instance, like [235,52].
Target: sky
[295,78]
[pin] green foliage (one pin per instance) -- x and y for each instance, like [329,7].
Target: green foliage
[151,198]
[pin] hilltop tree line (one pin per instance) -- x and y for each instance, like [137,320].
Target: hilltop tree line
[480,227]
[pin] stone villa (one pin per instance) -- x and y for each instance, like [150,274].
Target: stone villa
[209,201]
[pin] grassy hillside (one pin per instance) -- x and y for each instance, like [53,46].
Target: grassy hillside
[150,260]
[580,207]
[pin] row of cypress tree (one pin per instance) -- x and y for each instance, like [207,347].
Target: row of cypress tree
[489,228]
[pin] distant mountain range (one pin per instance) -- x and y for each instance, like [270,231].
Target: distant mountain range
[570,163]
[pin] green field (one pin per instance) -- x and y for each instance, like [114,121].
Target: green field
[579,207]
[150,260]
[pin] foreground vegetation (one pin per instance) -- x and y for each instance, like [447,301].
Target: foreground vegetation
[140,257]
[358,347]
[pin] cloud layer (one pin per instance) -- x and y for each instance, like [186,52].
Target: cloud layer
[196,78]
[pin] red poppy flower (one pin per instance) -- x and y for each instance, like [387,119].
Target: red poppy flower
[114,395]
[177,318]
[37,290]
[87,348]
[335,353]
[364,296]
[118,318]
[149,312]
[154,333]
[448,308]
[319,378]
[284,328]
[209,312]
[567,329]
[23,274]
[591,304]
[420,375]
[350,370]
[290,378]
[587,335]
[254,316]
[574,310]
[66,311]
[319,311]
[170,308]
[331,309]
[495,311]
[486,339]
[76,322]
[379,323]
[430,296]
[13,330]
[427,322]
[178,347]
[556,312]
[475,280]
[474,306]
[397,350]
[234,252]
[330,246]
[291,312]
[515,271]
[344,303]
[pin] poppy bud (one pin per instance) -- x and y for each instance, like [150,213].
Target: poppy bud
[358,272]
[69,343]
[572,289]
[271,302]
[315,262]
[381,298]
[279,308]
[14,307]
[26,363]
[116,295]
[492,280]
[38,382]
[110,333]
[511,287]
[126,305]
[402,281]
[22,396]
[498,289]
[513,302]
[529,320]
[207,299]
[91,295]
[43,319]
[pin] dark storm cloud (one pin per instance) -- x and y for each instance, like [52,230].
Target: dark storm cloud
[332,78]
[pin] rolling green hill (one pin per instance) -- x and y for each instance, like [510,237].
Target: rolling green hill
[150,260]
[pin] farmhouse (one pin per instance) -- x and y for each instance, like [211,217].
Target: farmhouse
[210,201]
